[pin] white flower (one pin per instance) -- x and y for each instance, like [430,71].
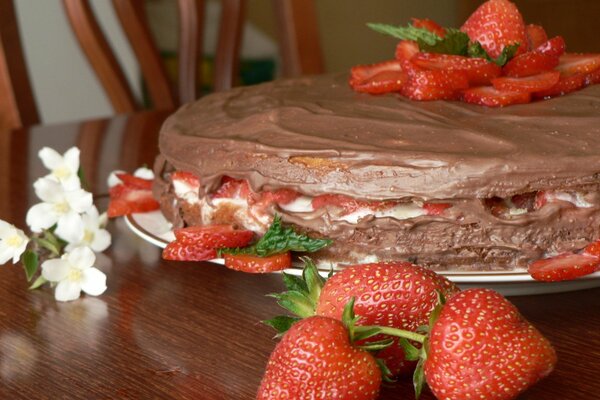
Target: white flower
[61,207]
[94,235]
[63,168]
[13,242]
[142,172]
[74,272]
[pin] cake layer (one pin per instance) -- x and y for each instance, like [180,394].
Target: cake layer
[315,135]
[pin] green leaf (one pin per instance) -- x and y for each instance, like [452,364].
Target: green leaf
[349,318]
[82,179]
[361,333]
[293,282]
[281,323]
[386,374]
[376,346]
[410,352]
[278,240]
[419,378]
[455,42]
[48,245]
[313,279]
[508,52]
[406,32]
[38,282]
[295,302]
[30,264]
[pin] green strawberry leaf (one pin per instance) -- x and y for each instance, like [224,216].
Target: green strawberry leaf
[278,240]
[419,378]
[386,374]
[376,346]
[410,352]
[295,302]
[314,281]
[281,323]
[295,283]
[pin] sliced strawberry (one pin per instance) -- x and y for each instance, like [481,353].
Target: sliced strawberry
[383,82]
[435,85]
[593,77]
[479,71]
[383,77]
[126,200]
[406,49]
[436,208]
[180,251]
[280,196]
[489,96]
[234,188]
[563,267]
[543,58]
[524,201]
[348,204]
[574,64]
[430,25]
[256,265]
[593,249]
[496,24]
[536,35]
[527,84]
[186,177]
[214,236]
[566,84]
[134,181]
[540,200]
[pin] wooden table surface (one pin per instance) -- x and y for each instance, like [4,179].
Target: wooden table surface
[178,330]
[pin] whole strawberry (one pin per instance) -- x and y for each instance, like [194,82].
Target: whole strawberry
[480,347]
[315,359]
[497,24]
[392,294]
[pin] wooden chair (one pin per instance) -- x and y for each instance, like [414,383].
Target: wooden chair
[297,34]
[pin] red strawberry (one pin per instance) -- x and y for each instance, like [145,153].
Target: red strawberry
[529,84]
[435,85]
[430,25]
[593,249]
[575,64]
[214,236]
[541,199]
[481,347]
[436,208]
[134,181]
[349,204]
[384,77]
[478,71]
[488,96]
[496,24]
[182,251]
[406,49]
[280,196]
[394,294]
[256,264]
[543,58]
[125,200]
[234,188]
[316,360]
[564,267]
[536,35]
[186,177]
[566,84]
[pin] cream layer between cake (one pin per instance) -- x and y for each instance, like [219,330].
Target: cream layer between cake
[316,136]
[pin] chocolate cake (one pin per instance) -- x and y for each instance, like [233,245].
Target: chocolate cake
[444,184]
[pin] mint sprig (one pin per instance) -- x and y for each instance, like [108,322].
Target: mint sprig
[279,239]
[455,42]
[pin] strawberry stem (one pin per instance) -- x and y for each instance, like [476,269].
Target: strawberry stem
[416,337]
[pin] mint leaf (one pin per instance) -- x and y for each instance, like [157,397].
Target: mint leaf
[455,42]
[508,52]
[280,240]
[406,33]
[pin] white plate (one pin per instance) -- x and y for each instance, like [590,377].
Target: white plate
[154,228]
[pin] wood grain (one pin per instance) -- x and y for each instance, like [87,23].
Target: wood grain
[173,330]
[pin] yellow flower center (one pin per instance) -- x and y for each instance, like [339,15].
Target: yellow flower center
[61,172]
[74,275]
[88,236]
[62,208]
[14,241]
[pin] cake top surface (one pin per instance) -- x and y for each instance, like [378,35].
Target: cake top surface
[316,135]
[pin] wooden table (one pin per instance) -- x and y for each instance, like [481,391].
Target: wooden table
[184,330]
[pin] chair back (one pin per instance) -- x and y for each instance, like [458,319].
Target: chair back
[297,33]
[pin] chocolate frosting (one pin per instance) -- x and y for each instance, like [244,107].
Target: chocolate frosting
[317,136]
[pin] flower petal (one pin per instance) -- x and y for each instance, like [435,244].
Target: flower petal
[5,229]
[48,190]
[67,290]
[41,216]
[71,159]
[70,227]
[50,158]
[81,257]
[71,183]
[101,240]
[6,253]
[93,281]
[79,200]
[56,269]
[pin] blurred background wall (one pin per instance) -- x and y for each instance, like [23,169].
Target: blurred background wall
[68,90]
